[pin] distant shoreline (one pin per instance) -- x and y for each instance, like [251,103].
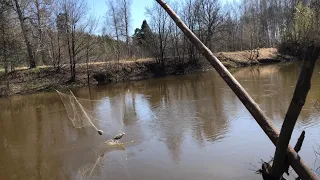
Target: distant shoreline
[28,81]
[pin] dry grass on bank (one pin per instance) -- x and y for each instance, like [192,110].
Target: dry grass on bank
[46,78]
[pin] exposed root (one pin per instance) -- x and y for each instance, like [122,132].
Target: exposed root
[265,171]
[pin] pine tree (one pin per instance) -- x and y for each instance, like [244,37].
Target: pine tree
[144,37]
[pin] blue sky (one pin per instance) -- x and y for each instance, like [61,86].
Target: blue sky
[98,8]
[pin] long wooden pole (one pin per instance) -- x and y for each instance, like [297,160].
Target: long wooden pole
[298,165]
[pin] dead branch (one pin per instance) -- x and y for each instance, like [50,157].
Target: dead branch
[297,148]
[299,97]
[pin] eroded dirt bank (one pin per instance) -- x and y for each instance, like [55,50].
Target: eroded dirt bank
[48,78]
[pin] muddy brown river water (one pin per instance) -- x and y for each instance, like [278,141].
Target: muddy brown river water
[189,127]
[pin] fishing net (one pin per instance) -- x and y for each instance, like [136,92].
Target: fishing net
[110,159]
[103,115]
[316,105]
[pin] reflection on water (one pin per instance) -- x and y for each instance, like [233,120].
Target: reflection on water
[104,155]
[182,127]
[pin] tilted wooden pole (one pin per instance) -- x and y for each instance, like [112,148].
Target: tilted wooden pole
[298,165]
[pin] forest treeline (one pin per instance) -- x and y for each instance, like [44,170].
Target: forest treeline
[62,34]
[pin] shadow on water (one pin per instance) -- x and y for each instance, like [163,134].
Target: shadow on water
[182,127]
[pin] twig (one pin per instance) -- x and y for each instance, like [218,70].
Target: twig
[253,165]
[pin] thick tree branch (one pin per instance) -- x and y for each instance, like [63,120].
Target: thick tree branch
[298,100]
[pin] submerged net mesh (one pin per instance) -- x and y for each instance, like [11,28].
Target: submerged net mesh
[110,158]
[105,115]
[316,105]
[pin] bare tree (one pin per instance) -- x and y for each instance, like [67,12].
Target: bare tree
[160,25]
[90,41]
[209,20]
[114,18]
[40,12]
[126,10]
[189,11]
[74,12]
[4,24]
[22,18]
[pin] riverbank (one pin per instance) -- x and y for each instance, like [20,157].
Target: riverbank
[27,81]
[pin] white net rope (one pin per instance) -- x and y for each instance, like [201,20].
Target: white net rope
[106,116]
[103,115]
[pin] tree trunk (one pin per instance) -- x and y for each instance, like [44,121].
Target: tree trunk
[126,19]
[59,53]
[73,77]
[116,26]
[87,63]
[298,100]
[53,54]
[4,48]
[37,4]
[69,49]
[32,62]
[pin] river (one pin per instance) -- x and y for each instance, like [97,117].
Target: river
[189,127]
